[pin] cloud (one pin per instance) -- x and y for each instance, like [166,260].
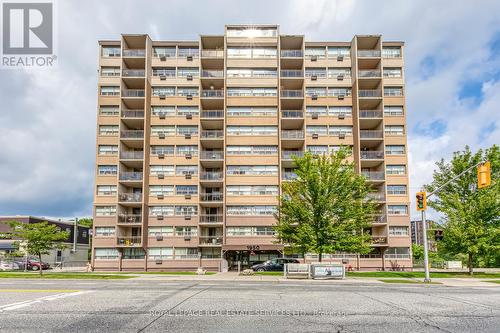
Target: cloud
[48,116]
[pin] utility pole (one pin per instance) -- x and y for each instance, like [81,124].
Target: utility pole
[75,234]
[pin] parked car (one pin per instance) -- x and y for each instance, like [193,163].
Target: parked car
[35,265]
[276,265]
[8,266]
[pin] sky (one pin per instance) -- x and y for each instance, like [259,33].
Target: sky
[47,116]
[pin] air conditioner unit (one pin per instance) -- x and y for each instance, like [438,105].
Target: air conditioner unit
[189,116]
[315,116]
[340,77]
[187,196]
[162,96]
[187,217]
[314,97]
[187,136]
[188,176]
[160,196]
[161,135]
[189,78]
[189,156]
[314,77]
[161,176]
[341,97]
[161,156]
[341,115]
[189,58]
[162,115]
[159,237]
[187,238]
[189,97]
[158,261]
[163,77]
[314,58]
[315,135]
[340,58]
[159,217]
[163,58]
[341,135]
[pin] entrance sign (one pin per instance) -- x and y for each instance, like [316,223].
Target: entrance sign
[327,271]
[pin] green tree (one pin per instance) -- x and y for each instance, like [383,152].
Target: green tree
[86,222]
[38,238]
[325,209]
[471,215]
[418,252]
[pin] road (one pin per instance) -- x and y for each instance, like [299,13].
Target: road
[193,306]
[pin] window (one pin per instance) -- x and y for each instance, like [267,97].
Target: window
[395,149]
[107,170]
[160,231]
[338,130]
[393,110]
[110,51]
[239,52]
[252,150]
[186,253]
[319,52]
[110,71]
[394,130]
[184,150]
[186,210]
[346,111]
[187,130]
[106,190]
[105,210]
[391,52]
[188,51]
[106,254]
[248,111]
[155,190]
[161,210]
[133,253]
[339,92]
[251,72]
[316,91]
[162,130]
[251,210]
[393,91]
[168,52]
[251,32]
[186,231]
[104,231]
[163,111]
[252,92]
[185,91]
[339,71]
[252,130]
[250,231]
[181,170]
[188,71]
[108,130]
[160,253]
[166,150]
[398,252]
[167,170]
[187,110]
[262,170]
[392,71]
[110,91]
[109,110]
[397,209]
[317,150]
[398,231]
[396,189]
[264,52]
[395,169]
[108,150]
[164,71]
[163,91]
[318,72]
[319,110]
[314,129]
[252,190]
[186,189]
[336,51]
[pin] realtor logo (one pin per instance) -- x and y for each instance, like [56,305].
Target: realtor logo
[27,34]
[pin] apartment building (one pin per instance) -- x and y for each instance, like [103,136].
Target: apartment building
[195,137]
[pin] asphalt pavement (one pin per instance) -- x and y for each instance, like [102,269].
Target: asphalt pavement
[243,306]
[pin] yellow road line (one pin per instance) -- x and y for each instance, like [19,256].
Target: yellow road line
[38,290]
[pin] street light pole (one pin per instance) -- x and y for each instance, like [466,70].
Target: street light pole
[75,234]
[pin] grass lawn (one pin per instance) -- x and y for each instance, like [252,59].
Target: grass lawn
[422,275]
[269,273]
[47,275]
[493,281]
[406,281]
[164,273]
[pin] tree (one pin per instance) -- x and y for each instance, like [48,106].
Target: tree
[471,215]
[38,238]
[86,222]
[325,209]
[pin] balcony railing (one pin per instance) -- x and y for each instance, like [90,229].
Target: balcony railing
[292,73]
[210,93]
[292,114]
[376,196]
[130,197]
[370,114]
[374,175]
[212,73]
[134,53]
[369,73]
[371,134]
[368,53]
[378,219]
[292,134]
[210,240]
[378,240]
[212,114]
[132,113]
[212,155]
[128,241]
[370,93]
[133,93]
[211,197]
[211,175]
[133,72]
[132,155]
[292,53]
[212,54]
[212,134]
[288,155]
[292,93]
[129,218]
[131,176]
[132,134]
[372,155]
[211,218]
[289,176]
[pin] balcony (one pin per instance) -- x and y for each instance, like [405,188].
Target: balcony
[288,176]
[130,197]
[371,134]
[292,94]
[292,114]
[369,74]
[131,176]
[212,54]
[212,155]
[292,53]
[211,240]
[128,241]
[211,218]
[134,53]
[370,114]
[379,240]
[376,196]
[292,134]
[132,155]
[292,73]
[368,93]
[129,219]
[132,134]
[212,114]
[372,155]
[379,219]
[212,134]
[211,176]
[134,93]
[133,114]
[374,175]
[288,155]
[211,197]
[212,74]
[369,53]
[212,93]
[133,73]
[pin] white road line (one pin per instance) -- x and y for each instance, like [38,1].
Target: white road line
[19,305]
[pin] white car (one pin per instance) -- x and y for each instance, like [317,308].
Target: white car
[8,266]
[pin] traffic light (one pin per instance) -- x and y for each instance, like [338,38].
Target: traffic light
[484,175]
[421,201]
